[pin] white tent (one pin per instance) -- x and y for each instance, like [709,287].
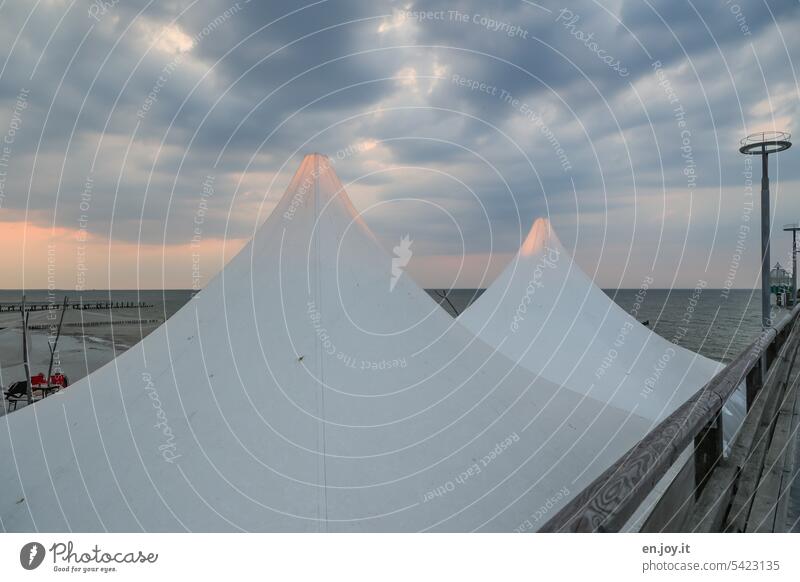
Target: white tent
[302,391]
[547,315]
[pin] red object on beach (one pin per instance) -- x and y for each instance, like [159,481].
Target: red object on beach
[59,379]
[38,380]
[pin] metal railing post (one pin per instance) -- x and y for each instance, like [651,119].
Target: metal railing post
[707,452]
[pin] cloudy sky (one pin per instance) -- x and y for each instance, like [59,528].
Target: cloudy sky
[125,124]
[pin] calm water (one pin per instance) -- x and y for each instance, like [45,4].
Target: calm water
[166,302]
[718,328]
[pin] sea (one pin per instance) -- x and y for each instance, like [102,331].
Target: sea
[166,302]
[719,326]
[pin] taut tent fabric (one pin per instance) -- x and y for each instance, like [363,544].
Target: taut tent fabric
[302,390]
[546,314]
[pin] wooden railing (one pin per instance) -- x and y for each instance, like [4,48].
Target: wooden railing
[611,499]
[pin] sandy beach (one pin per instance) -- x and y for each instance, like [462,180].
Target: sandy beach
[89,339]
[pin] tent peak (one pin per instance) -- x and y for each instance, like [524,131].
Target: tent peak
[315,189]
[541,235]
[316,155]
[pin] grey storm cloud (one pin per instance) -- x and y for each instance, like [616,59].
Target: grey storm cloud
[559,111]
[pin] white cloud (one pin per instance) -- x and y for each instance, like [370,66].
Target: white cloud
[169,39]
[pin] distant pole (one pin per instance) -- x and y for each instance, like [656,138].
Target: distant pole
[763,144]
[25,351]
[55,343]
[794,228]
[766,315]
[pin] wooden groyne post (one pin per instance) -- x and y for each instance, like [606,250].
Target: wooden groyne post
[24,315]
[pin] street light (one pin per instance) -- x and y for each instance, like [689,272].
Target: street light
[794,228]
[763,144]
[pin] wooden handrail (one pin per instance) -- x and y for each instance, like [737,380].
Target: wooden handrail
[610,500]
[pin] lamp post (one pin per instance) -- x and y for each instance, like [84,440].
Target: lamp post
[794,228]
[763,144]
